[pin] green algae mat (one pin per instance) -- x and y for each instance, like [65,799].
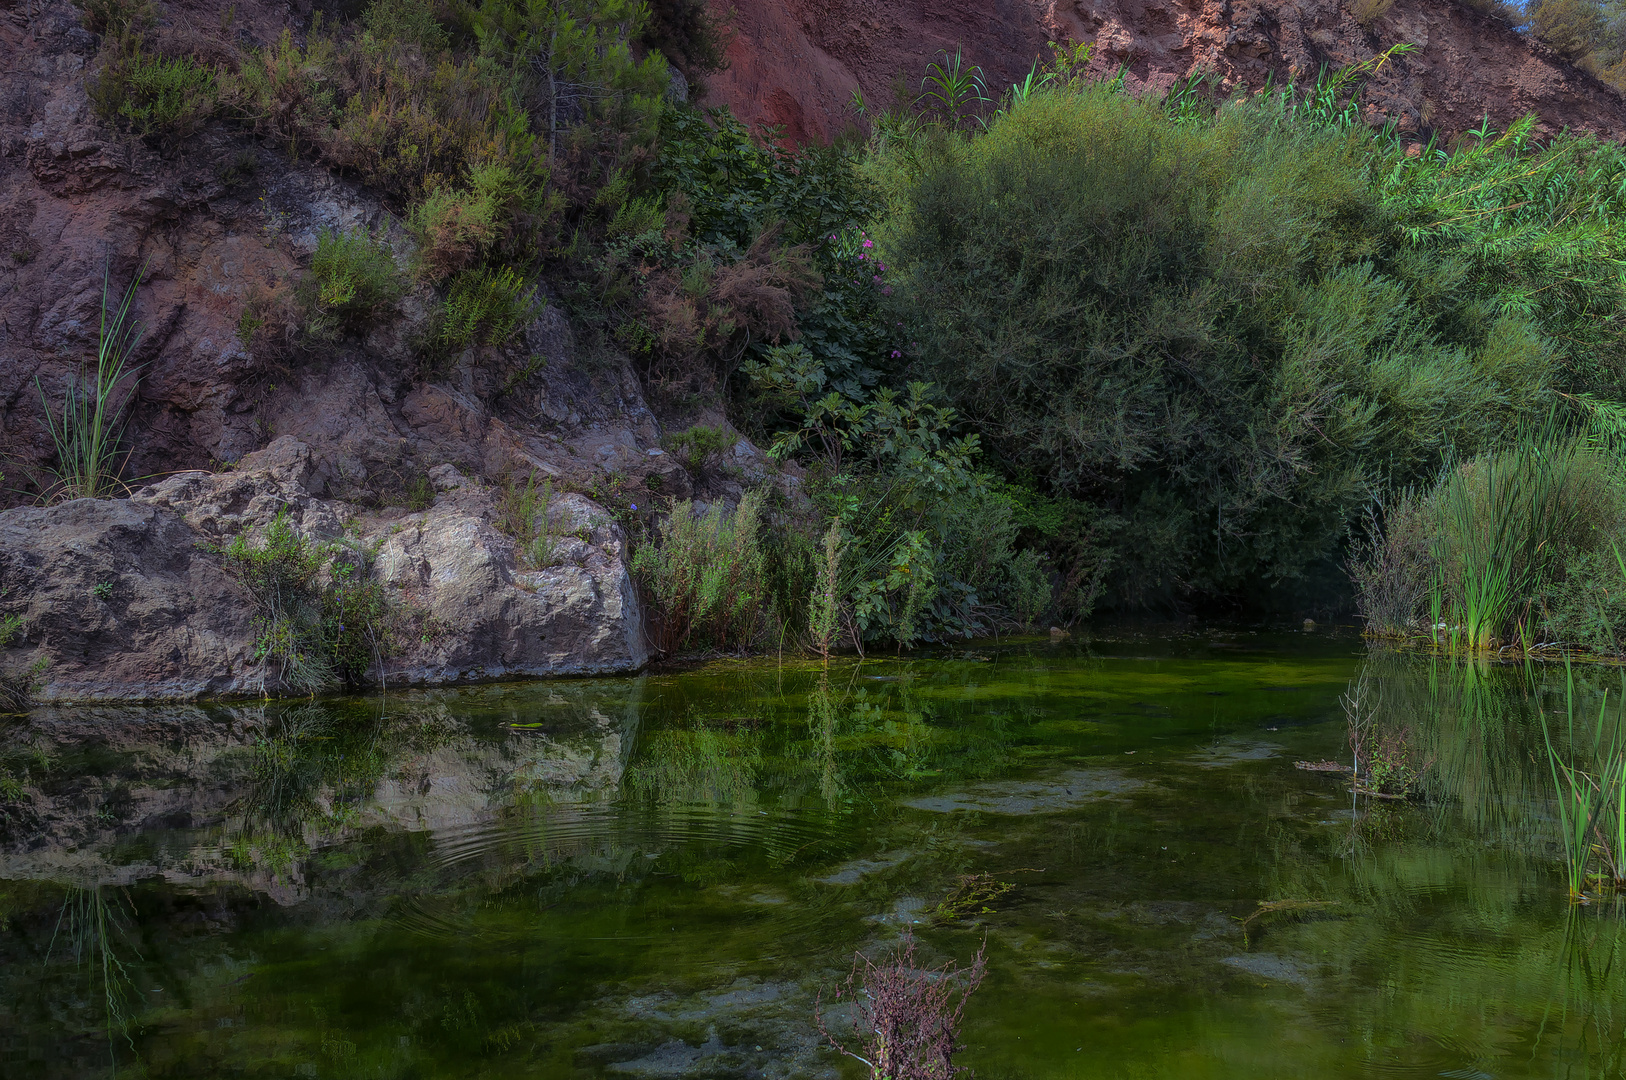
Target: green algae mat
[659,876]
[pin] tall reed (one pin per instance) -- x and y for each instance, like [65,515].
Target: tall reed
[1590,779]
[88,430]
[1500,519]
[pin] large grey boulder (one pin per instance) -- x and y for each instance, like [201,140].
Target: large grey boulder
[487,617]
[130,599]
[123,604]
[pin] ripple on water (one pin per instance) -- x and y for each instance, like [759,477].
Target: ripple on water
[558,834]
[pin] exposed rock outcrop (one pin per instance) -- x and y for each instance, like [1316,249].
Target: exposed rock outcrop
[796,63]
[131,599]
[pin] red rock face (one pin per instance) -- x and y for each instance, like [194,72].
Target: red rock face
[796,63]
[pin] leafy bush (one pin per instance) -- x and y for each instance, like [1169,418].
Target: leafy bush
[352,282]
[320,621]
[699,447]
[489,306]
[705,576]
[151,95]
[1216,330]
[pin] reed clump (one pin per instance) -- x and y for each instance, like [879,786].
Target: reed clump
[1513,548]
[1589,773]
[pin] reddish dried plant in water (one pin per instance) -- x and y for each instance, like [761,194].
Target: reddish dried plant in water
[906,1018]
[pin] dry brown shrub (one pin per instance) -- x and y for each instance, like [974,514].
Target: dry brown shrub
[1367,12]
[762,291]
[717,308]
[209,49]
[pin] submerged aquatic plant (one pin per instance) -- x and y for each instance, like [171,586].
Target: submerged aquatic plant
[1591,799]
[906,1019]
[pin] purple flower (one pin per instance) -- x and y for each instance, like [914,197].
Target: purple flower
[896,353]
[869,243]
[635,506]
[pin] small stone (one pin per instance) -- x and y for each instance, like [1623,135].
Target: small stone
[446,477]
[1309,625]
[1058,634]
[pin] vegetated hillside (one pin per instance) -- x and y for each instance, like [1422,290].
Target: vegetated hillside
[797,63]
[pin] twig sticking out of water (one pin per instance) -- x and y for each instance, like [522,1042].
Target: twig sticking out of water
[906,1019]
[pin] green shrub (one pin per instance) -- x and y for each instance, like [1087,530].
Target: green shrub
[353,281]
[699,447]
[1514,546]
[488,306]
[1030,586]
[1212,329]
[406,21]
[152,95]
[320,621]
[116,18]
[705,577]
[457,226]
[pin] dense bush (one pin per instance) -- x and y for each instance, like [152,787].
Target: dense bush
[1224,331]
[706,577]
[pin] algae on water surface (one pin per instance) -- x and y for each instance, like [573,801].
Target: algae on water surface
[656,876]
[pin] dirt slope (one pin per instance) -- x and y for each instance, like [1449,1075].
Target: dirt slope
[796,63]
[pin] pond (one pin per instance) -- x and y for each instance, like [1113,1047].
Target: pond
[658,876]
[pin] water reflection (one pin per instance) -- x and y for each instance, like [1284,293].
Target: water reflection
[656,876]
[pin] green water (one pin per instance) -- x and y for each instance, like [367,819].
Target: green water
[655,876]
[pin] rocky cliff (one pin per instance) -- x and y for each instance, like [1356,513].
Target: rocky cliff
[796,63]
[231,421]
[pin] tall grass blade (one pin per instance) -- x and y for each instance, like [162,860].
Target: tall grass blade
[88,429]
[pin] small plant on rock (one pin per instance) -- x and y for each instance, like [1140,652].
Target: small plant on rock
[320,621]
[700,446]
[17,687]
[905,1018]
[522,513]
[353,281]
[89,427]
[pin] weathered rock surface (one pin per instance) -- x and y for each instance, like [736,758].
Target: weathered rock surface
[489,618]
[131,599]
[122,603]
[796,63]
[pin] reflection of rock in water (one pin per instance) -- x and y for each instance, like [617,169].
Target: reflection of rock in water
[205,787]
